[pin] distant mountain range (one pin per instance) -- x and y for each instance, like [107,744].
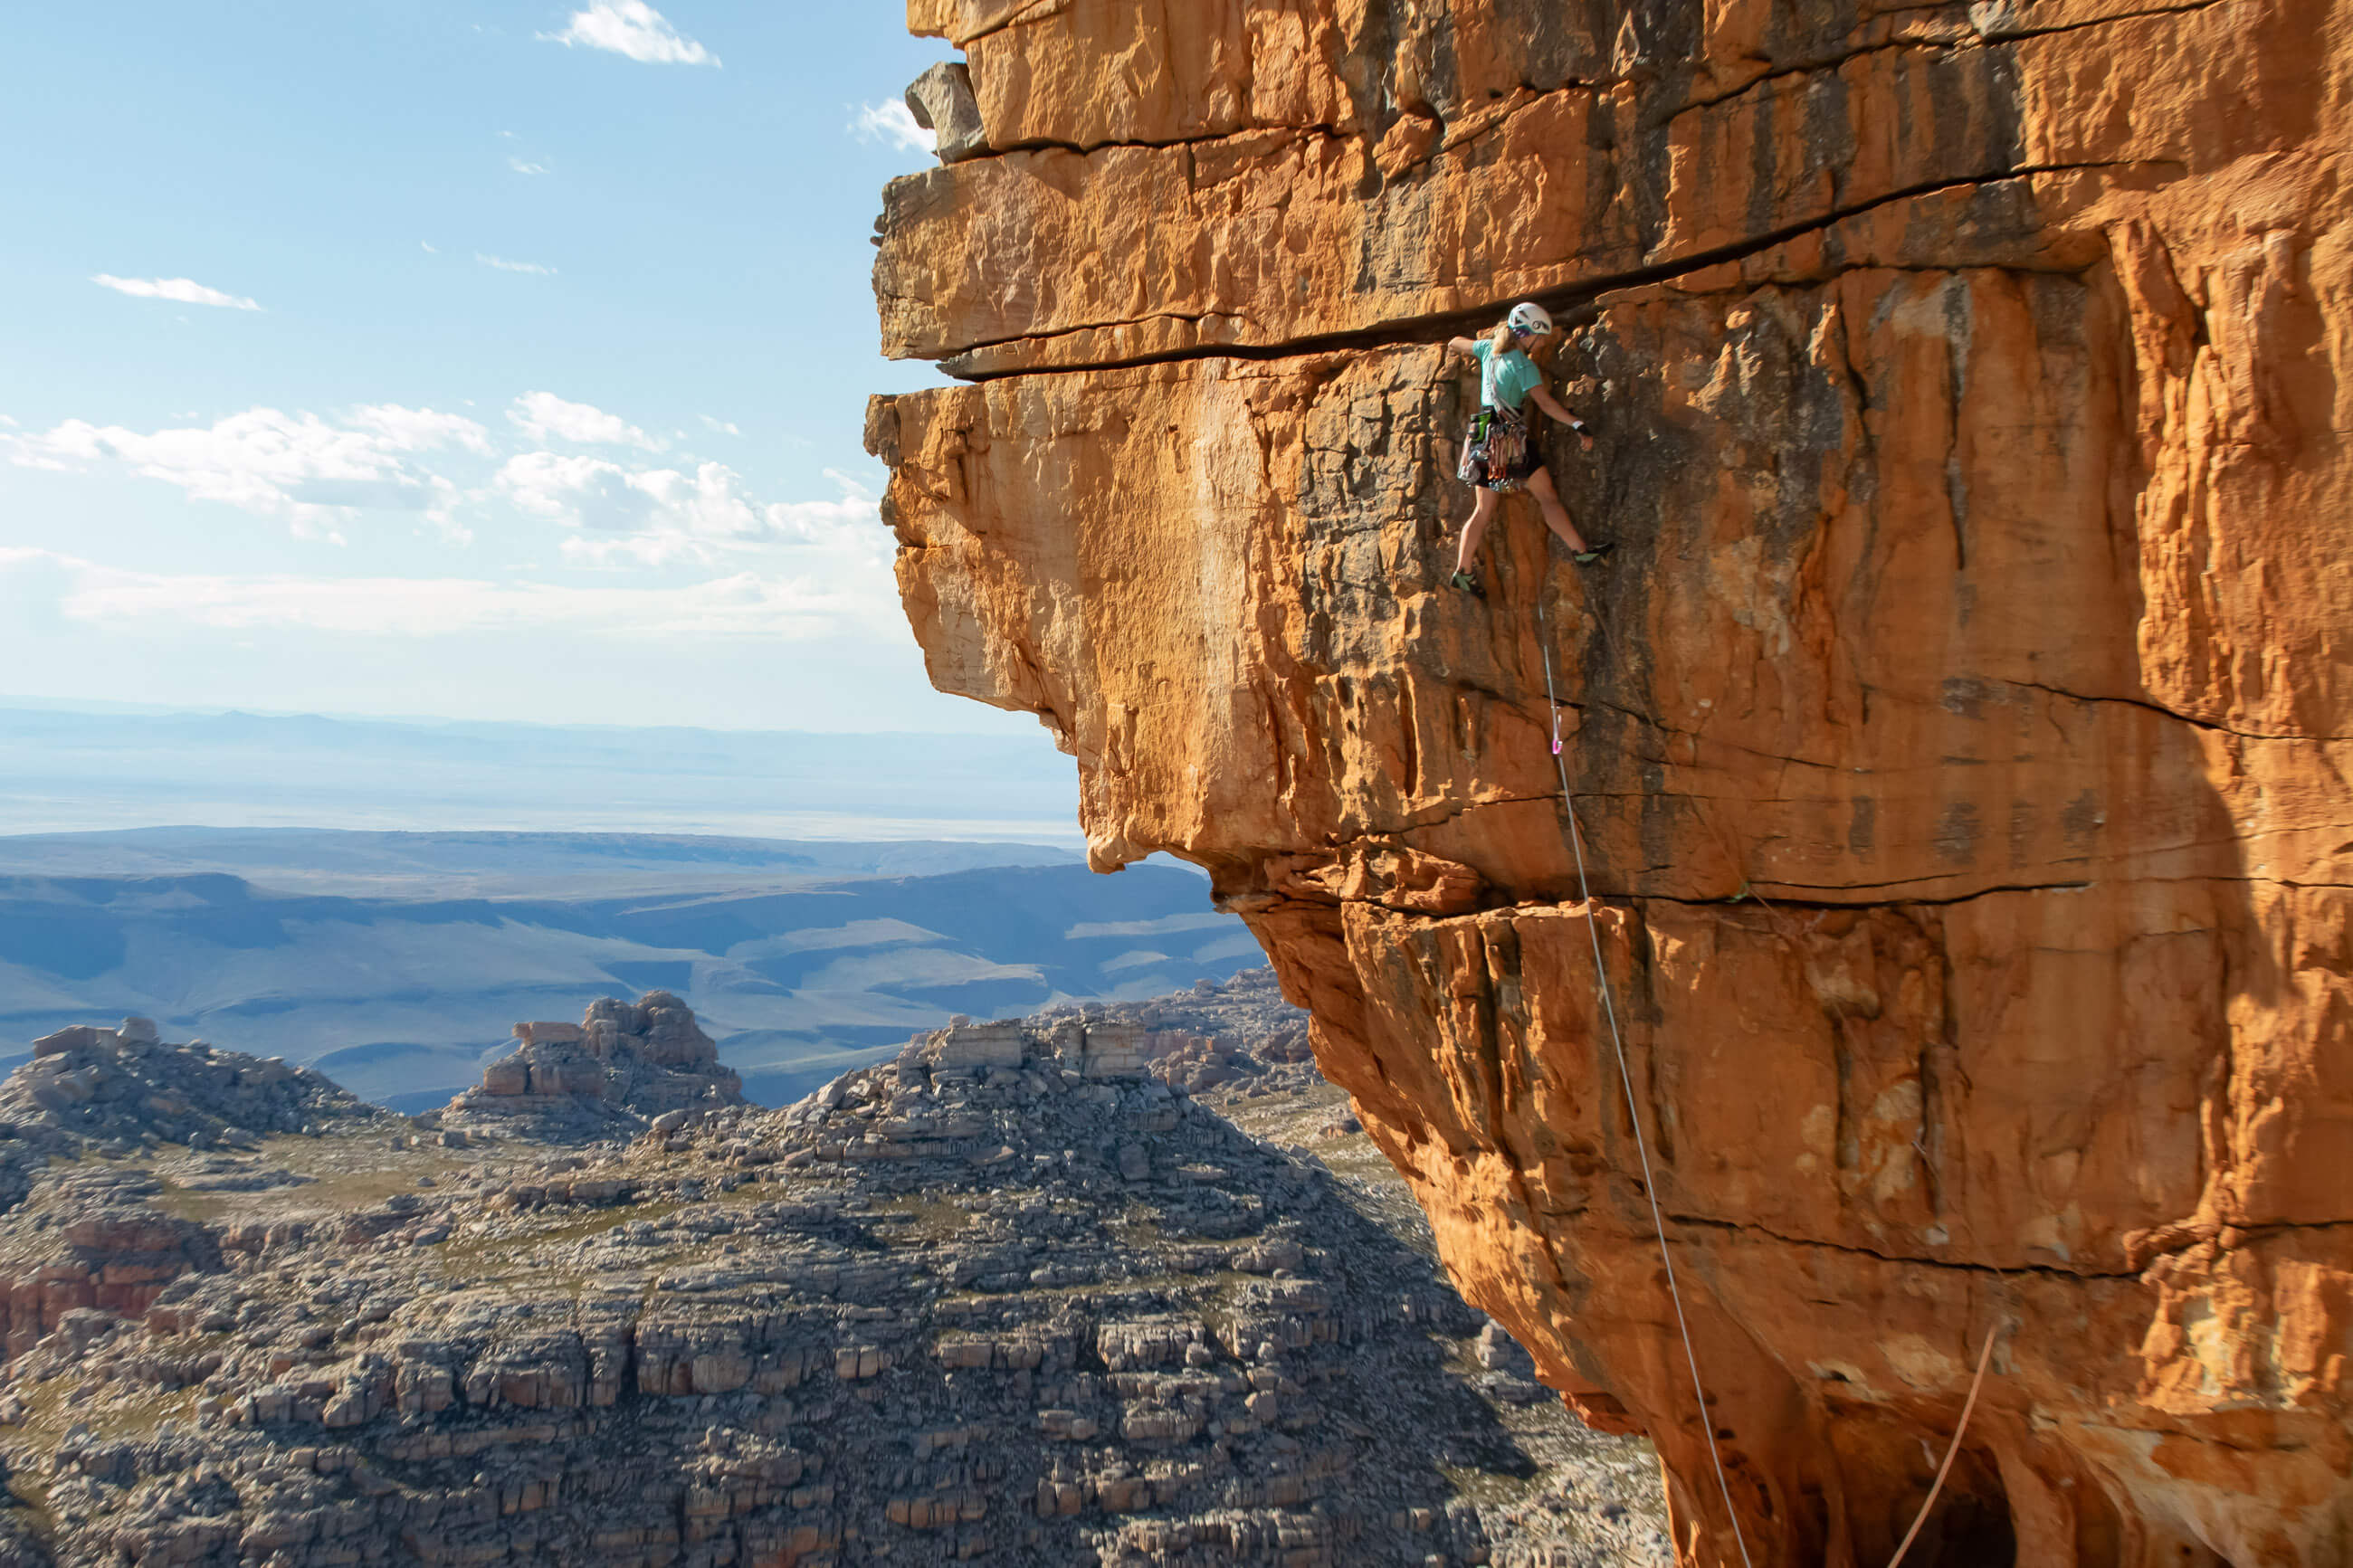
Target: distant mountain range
[495,864]
[64,770]
[397,961]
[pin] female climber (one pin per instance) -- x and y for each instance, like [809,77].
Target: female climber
[1497,455]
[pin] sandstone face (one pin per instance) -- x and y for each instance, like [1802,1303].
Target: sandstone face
[622,1064]
[104,1252]
[1959,732]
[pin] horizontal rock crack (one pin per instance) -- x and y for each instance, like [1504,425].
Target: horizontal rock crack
[2046,1270]
[1438,326]
[2175,713]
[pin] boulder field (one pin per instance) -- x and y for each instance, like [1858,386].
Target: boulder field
[1015,1297]
[1957,735]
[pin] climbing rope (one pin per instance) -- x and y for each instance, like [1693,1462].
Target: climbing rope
[1650,1186]
[1984,1357]
[1633,1112]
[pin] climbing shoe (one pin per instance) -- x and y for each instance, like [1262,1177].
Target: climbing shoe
[1588,557]
[1469,582]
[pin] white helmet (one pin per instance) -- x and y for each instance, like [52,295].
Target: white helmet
[1530,318]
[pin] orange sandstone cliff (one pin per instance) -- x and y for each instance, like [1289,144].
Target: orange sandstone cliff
[1959,731]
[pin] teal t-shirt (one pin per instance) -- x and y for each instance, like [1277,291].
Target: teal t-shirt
[1505,381]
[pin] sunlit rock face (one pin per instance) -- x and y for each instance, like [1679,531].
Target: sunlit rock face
[1958,732]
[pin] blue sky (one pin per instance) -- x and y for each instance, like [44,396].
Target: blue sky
[479,359]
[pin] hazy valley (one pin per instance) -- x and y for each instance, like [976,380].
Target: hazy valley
[397,961]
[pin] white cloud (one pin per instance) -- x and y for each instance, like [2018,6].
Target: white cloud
[657,517]
[893,123]
[542,417]
[609,504]
[719,427]
[741,603]
[181,290]
[634,28]
[295,466]
[575,490]
[430,248]
[420,429]
[520,167]
[503,265]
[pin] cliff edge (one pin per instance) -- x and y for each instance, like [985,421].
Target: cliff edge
[1958,732]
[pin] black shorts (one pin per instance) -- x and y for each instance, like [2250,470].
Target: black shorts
[1515,476]
[1497,453]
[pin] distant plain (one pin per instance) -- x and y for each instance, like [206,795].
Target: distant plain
[67,770]
[385,899]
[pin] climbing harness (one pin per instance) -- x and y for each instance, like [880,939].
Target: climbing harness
[1641,1150]
[1495,454]
[1626,1079]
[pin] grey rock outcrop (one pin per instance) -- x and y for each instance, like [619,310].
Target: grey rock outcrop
[622,1066]
[942,101]
[116,1090]
[1229,1040]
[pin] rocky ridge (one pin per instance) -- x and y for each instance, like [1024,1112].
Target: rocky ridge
[1225,1040]
[122,1090]
[1009,1297]
[94,1245]
[1959,732]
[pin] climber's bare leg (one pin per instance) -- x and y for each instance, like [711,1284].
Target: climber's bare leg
[1482,511]
[1556,515]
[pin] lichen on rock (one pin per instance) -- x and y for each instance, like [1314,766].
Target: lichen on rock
[1958,732]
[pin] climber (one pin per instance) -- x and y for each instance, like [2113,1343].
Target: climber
[1497,455]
